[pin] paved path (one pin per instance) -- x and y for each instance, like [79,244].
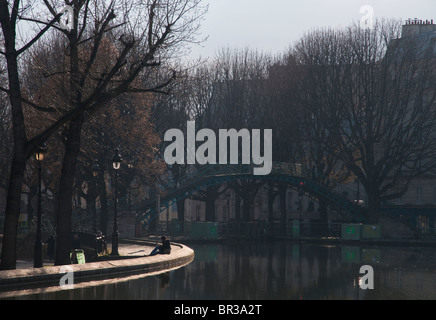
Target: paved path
[127,248]
[137,261]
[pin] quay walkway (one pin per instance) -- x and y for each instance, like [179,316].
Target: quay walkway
[134,259]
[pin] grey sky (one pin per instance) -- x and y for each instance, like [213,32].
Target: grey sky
[272,26]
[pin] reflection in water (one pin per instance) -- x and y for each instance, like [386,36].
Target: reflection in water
[277,270]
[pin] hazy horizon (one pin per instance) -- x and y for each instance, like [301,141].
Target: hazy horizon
[273,26]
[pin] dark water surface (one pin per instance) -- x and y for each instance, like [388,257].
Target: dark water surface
[273,270]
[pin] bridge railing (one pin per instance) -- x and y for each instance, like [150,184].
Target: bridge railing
[195,172]
[199,176]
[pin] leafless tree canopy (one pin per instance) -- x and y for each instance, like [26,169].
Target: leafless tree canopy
[373,89]
[108,48]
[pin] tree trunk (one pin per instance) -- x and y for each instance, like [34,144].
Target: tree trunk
[91,203]
[237,207]
[33,191]
[373,205]
[72,149]
[181,210]
[271,198]
[282,194]
[246,209]
[210,209]
[181,214]
[103,204]
[323,216]
[12,212]
[64,202]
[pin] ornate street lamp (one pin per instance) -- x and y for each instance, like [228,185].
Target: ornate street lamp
[116,163]
[40,152]
[116,159]
[37,259]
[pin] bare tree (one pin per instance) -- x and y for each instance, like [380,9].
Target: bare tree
[314,60]
[372,88]
[23,148]
[147,32]
[6,142]
[235,96]
[142,47]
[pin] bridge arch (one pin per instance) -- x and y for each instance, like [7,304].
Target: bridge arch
[207,178]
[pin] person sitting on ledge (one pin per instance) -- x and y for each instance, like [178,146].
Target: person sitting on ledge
[165,248]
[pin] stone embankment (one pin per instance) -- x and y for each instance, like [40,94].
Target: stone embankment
[134,259]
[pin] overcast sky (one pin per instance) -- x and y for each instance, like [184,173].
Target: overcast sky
[273,25]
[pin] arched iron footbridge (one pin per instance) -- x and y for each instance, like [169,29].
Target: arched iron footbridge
[201,177]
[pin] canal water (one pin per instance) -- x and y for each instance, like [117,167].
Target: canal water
[278,270]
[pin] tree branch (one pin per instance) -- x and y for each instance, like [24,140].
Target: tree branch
[30,103]
[39,35]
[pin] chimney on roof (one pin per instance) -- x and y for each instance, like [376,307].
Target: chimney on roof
[414,27]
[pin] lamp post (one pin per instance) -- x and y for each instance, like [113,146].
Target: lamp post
[116,162]
[130,166]
[95,170]
[37,260]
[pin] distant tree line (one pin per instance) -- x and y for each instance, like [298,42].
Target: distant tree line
[348,104]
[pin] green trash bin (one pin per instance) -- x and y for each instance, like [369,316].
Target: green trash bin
[77,256]
[211,231]
[351,231]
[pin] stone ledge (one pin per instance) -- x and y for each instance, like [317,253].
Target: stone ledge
[51,275]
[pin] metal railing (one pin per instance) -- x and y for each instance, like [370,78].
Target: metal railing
[216,174]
